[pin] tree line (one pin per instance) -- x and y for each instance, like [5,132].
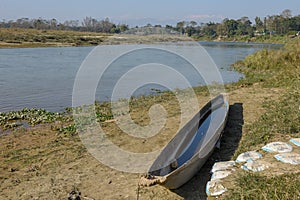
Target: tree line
[283,23]
[87,24]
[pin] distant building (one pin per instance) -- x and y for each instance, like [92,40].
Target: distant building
[259,33]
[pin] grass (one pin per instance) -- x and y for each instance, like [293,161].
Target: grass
[17,38]
[257,187]
[10,37]
[274,39]
[272,69]
[282,120]
[269,68]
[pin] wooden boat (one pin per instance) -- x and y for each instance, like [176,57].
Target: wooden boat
[186,153]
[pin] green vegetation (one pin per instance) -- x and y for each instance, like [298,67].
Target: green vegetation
[69,130]
[16,37]
[270,29]
[279,69]
[275,29]
[244,30]
[88,24]
[103,111]
[30,116]
[256,187]
[281,121]
[272,69]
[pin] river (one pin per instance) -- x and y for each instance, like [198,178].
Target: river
[44,77]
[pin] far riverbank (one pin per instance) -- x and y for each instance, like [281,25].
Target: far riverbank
[31,38]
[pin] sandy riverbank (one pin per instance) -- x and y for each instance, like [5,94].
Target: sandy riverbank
[39,163]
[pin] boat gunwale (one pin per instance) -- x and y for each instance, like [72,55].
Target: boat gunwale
[208,107]
[197,155]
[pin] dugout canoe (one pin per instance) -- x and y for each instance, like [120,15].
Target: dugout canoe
[187,152]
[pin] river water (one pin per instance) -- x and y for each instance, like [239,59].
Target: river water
[44,77]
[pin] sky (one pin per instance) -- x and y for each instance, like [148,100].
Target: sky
[141,12]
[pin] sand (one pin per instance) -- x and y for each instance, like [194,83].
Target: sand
[38,163]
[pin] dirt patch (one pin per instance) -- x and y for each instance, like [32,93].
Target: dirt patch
[38,163]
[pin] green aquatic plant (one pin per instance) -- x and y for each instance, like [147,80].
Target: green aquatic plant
[32,116]
[69,130]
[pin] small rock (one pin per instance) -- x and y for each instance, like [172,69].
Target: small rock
[16,181]
[250,155]
[33,168]
[13,169]
[88,198]
[74,195]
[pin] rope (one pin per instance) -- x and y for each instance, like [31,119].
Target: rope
[147,181]
[150,180]
[138,192]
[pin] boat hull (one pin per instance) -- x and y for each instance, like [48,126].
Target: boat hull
[188,151]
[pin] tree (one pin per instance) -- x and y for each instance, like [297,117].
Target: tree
[123,27]
[169,27]
[71,24]
[280,24]
[40,24]
[105,26]
[259,25]
[265,24]
[244,26]
[193,23]
[180,27]
[294,23]
[230,26]
[189,30]
[286,13]
[87,22]
[220,29]
[210,29]
[53,24]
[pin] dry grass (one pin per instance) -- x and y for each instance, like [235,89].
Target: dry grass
[17,38]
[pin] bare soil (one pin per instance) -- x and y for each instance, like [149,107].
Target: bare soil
[38,163]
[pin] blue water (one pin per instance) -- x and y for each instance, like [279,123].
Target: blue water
[44,77]
[215,117]
[38,77]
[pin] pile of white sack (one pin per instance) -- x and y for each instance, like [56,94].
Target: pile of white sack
[252,161]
